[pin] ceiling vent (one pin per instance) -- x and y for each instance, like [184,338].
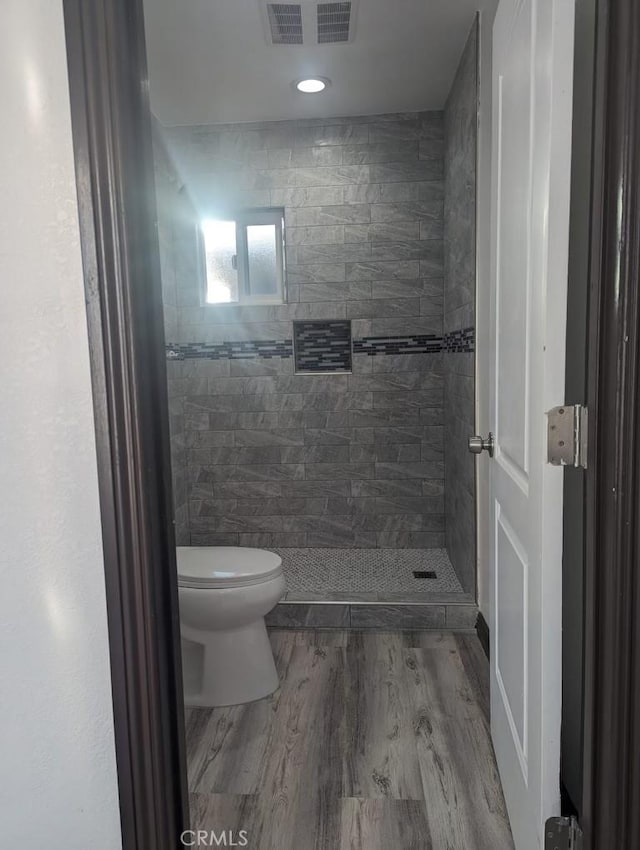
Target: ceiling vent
[334,22]
[308,22]
[285,23]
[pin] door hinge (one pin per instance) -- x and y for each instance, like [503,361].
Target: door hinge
[562,834]
[567,432]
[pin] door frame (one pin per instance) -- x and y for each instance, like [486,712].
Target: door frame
[111,128]
[611,784]
[116,197]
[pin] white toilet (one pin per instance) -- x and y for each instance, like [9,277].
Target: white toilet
[225,593]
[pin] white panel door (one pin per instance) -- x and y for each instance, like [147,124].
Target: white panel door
[531,159]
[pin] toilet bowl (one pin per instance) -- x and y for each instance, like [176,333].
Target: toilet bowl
[224,594]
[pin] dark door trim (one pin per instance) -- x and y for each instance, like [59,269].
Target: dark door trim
[611,811]
[116,196]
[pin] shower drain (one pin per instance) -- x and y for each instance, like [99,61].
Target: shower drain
[424,574]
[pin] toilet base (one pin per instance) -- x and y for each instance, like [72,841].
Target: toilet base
[227,667]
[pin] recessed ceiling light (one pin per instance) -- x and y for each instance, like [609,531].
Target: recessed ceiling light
[313,85]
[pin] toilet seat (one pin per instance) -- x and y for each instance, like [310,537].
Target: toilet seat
[213,567]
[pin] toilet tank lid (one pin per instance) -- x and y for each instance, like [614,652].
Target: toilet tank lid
[225,565]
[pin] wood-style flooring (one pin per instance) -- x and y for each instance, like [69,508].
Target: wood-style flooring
[374,741]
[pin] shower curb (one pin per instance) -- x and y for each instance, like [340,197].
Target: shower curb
[434,616]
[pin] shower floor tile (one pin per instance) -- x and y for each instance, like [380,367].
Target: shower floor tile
[368,575]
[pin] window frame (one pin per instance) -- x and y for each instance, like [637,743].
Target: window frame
[244,219]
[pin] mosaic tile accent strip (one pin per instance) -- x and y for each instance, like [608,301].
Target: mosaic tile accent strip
[325,347]
[380,571]
[462,341]
[322,346]
[245,350]
[374,345]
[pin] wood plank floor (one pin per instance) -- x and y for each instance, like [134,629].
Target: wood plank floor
[374,741]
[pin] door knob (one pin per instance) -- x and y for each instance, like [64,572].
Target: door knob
[479,444]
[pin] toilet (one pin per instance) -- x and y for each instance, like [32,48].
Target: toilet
[224,594]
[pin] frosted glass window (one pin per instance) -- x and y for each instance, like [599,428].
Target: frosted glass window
[262,259]
[244,258]
[221,261]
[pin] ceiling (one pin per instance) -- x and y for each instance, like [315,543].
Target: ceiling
[210,61]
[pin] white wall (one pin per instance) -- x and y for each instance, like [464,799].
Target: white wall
[57,764]
[483,318]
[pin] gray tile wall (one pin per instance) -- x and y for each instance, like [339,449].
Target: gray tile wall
[277,459]
[176,222]
[460,132]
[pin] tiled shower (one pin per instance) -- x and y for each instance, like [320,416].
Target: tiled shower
[331,427]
